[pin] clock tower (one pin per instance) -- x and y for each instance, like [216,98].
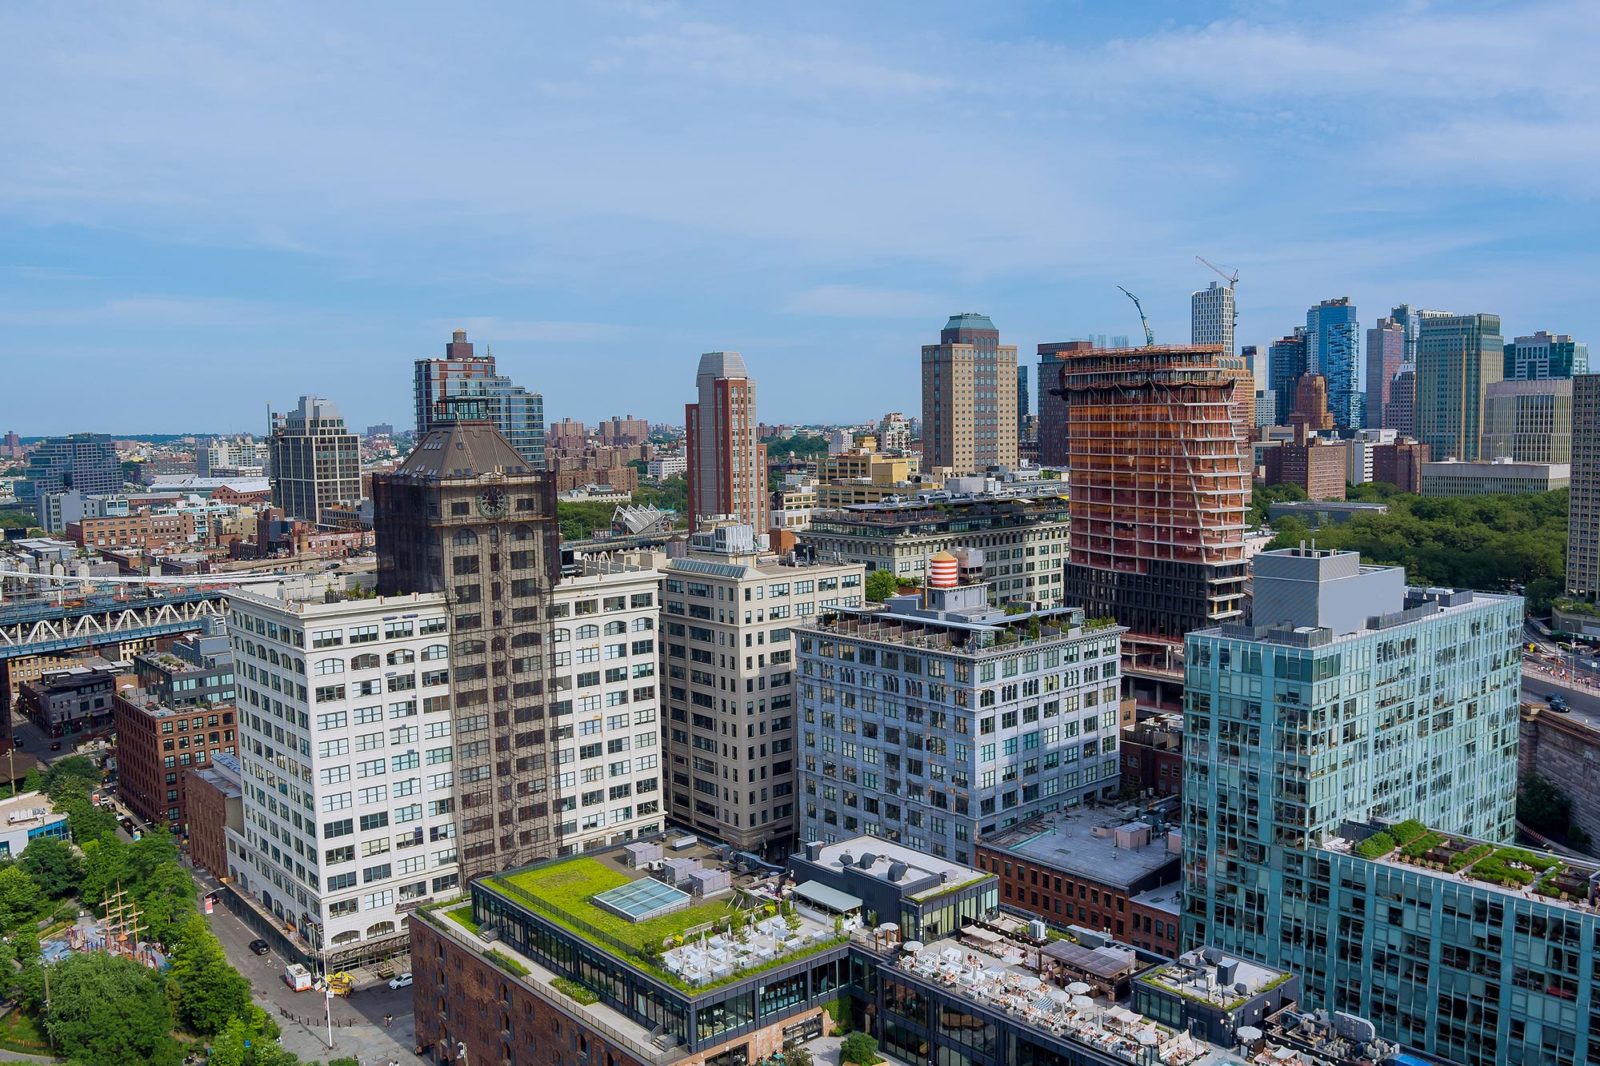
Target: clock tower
[465,515]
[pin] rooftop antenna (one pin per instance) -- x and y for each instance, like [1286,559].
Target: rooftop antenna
[1149,337]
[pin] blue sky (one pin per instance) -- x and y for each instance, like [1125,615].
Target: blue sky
[208,207]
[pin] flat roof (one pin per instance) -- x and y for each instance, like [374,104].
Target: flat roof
[1082,841]
[830,898]
[886,853]
[1167,898]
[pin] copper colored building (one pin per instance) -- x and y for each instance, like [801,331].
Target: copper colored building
[1160,484]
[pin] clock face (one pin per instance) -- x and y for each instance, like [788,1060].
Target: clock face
[492,503]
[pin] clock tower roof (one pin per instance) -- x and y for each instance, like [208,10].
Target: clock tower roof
[463,451]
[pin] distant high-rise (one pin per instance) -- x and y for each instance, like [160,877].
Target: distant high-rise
[1159,487]
[1211,317]
[1023,408]
[894,433]
[1386,351]
[1400,413]
[1286,361]
[969,403]
[1410,320]
[1311,404]
[516,412]
[1333,349]
[1545,355]
[1583,509]
[84,462]
[1528,421]
[1458,358]
[727,468]
[315,461]
[1052,406]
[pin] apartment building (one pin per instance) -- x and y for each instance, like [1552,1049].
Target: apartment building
[347,762]
[728,655]
[940,718]
[607,702]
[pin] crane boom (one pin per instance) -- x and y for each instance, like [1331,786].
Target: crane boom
[1231,279]
[1149,337]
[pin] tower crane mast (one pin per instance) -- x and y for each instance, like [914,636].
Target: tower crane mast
[1149,337]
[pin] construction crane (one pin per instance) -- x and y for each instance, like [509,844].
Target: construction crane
[1233,284]
[1149,337]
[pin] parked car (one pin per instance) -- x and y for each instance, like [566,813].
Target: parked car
[260,947]
[401,980]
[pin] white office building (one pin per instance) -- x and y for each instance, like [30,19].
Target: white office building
[346,755]
[1211,316]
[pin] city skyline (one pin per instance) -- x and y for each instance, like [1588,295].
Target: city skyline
[232,268]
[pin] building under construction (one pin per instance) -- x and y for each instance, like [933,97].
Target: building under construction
[1157,451]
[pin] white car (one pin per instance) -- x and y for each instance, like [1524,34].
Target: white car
[400,981]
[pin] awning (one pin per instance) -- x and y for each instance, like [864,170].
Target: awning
[830,899]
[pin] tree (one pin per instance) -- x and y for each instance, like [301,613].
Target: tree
[166,898]
[76,775]
[241,1044]
[20,898]
[797,1055]
[105,866]
[86,821]
[106,1010]
[207,992]
[53,865]
[881,584]
[858,1048]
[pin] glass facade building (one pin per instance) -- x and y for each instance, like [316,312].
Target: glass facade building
[1353,697]
[1333,349]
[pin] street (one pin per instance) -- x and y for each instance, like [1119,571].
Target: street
[358,1028]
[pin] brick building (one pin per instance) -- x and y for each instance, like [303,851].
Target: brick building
[1315,465]
[215,805]
[1152,756]
[1081,866]
[1400,464]
[179,714]
[73,699]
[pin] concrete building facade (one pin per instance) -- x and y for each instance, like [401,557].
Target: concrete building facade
[969,398]
[1492,477]
[941,719]
[1458,358]
[315,460]
[1212,317]
[1544,356]
[1528,421]
[728,653]
[1386,351]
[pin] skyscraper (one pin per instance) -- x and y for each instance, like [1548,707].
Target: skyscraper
[84,462]
[1333,349]
[1458,358]
[1211,317]
[727,468]
[969,403]
[1410,320]
[467,516]
[1583,510]
[1052,406]
[518,413]
[1286,361]
[1400,413]
[315,461]
[1545,355]
[1386,351]
[1160,483]
[1023,409]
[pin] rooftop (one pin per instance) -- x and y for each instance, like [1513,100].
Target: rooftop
[1167,898]
[953,634]
[1553,879]
[693,942]
[878,858]
[1213,977]
[1110,845]
[26,809]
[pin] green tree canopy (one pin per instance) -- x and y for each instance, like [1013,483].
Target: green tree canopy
[53,865]
[20,898]
[881,584]
[109,1011]
[206,991]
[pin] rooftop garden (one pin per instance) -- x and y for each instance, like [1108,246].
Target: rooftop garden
[562,892]
[1510,867]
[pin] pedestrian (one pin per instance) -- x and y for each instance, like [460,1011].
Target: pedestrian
[388,1019]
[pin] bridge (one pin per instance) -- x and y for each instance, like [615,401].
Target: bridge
[46,628]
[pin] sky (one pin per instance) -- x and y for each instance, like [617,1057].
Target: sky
[209,208]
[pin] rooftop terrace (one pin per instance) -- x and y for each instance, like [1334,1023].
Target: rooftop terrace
[1545,876]
[950,634]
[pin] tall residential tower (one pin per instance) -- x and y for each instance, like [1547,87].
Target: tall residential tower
[315,461]
[1211,317]
[518,413]
[727,468]
[969,400]
[1458,358]
[1333,349]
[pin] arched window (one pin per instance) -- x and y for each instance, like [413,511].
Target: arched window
[615,627]
[524,640]
[588,632]
[401,655]
[379,929]
[330,666]
[521,533]
[470,647]
[367,661]
[464,538]
[560,635]
[435,651]
[643,625]
[349,936]
[272,656]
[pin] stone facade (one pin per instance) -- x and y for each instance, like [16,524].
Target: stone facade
[1566,752]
